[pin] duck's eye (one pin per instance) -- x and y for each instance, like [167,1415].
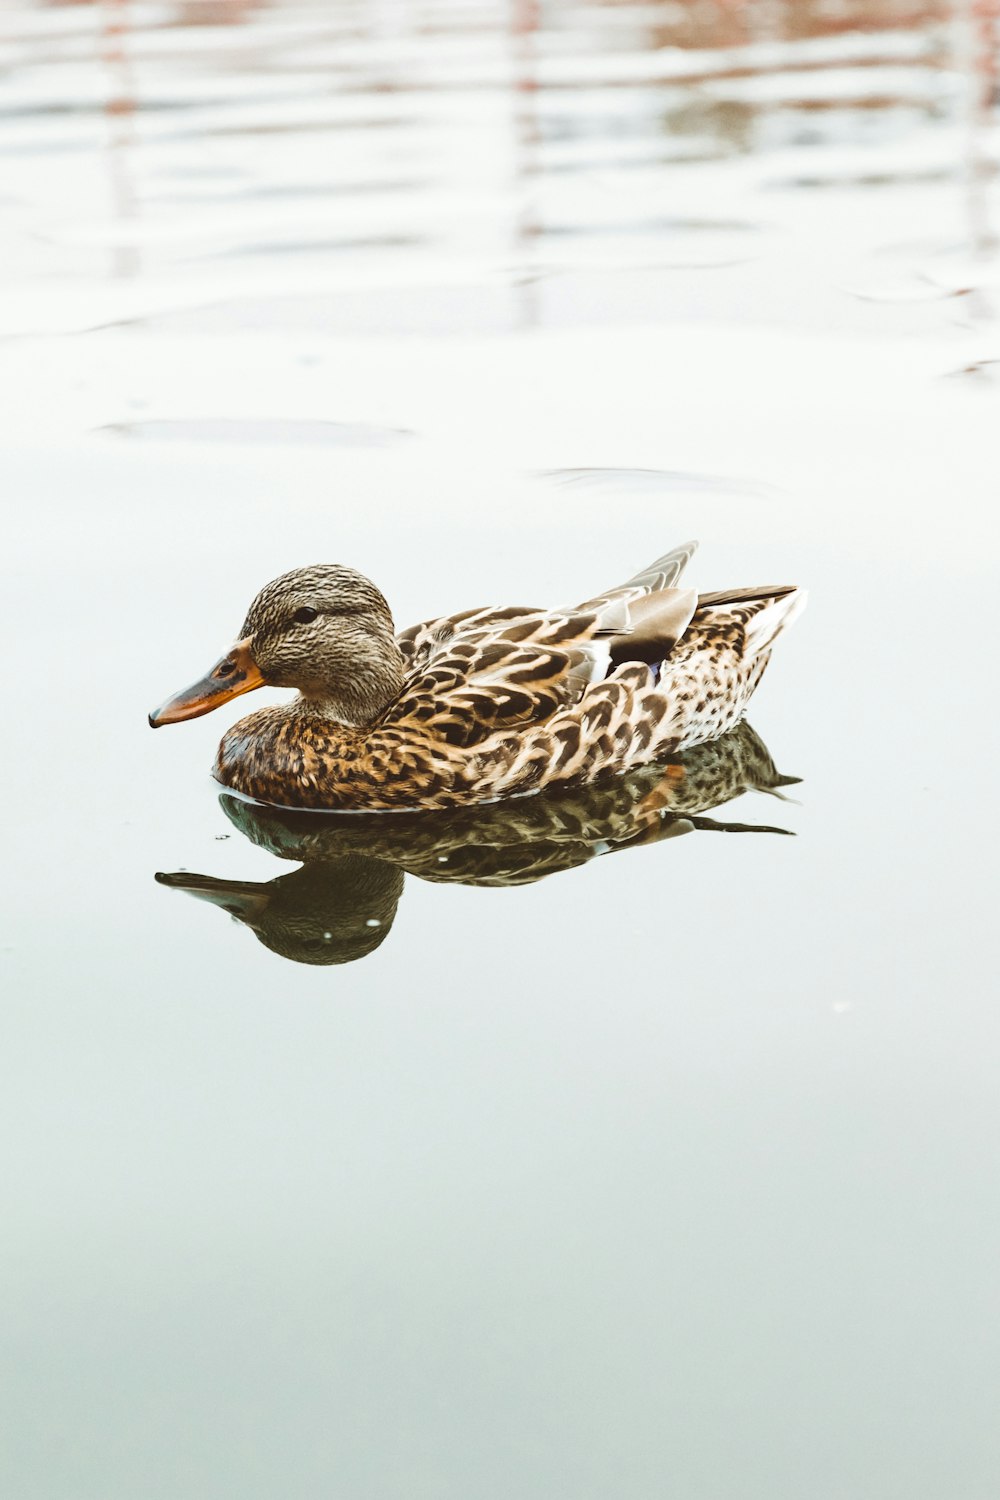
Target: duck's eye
[305,615]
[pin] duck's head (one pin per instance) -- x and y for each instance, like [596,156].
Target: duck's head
[325,630]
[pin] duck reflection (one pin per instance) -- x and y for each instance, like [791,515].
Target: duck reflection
[341,904]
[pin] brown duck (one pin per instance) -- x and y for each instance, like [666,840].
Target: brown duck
[492,703]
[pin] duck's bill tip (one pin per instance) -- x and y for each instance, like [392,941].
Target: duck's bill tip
[234,674]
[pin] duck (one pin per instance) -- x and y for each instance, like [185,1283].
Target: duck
[480,706]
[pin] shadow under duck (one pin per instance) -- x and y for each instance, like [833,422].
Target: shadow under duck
[484,705]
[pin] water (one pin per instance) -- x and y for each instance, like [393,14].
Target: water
[671,1171]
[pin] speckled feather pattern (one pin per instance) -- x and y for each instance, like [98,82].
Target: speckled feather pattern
[501,702]
[340,904]
[508,843]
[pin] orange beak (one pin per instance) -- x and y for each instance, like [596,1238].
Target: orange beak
[236,673]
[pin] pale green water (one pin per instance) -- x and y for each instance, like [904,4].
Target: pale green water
[673,1173]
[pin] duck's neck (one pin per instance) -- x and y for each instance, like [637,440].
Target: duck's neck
[358,700]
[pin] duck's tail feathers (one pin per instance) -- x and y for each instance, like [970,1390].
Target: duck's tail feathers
[778,612]
[746,596]
[765,612]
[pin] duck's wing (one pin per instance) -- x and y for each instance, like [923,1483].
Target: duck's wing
[648,612]
[421,643]
[661,574]
[650,616]
[471,675]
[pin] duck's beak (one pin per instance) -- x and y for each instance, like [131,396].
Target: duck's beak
[236,673]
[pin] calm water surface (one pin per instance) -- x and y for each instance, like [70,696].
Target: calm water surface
[641,1146]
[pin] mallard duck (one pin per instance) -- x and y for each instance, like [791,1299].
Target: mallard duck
[483,705]
[341,903]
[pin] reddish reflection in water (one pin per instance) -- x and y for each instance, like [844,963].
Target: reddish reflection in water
[499,153]
[985,66]
[120,109]
[525,16]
